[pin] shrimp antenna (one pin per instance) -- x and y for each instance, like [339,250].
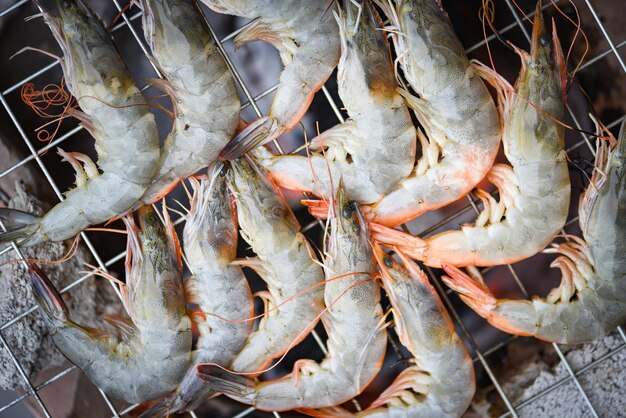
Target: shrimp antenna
[69,255]
[287,300]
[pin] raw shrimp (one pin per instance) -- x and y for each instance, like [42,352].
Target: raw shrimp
[354,322]
[286,262]
[206,103]
[441,382]
[591,299]
[459,117]
[151,351]
[374,150]
[534,190]
[216,287]
[117,116]
[305,34]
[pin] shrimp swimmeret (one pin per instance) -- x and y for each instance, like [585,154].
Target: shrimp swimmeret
[115,114]
[354,322]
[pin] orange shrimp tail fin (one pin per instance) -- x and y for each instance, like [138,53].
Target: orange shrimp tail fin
[472,291]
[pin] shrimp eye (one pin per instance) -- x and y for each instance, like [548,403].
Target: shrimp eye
[388,262]
[543,40]
[347,210]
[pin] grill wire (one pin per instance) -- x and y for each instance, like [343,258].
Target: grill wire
[480,356]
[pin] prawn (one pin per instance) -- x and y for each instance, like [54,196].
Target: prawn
[151,352]
[534,189]
[285,261]
[306,37]
[591,299]
[375,149]
[440,383]
[216,286]
[354,321]
[115,114]
[206,103]
[462,130]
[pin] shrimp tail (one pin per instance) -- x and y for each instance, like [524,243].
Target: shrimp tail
[220,380]
[48,298]
[257,133]
[21,227]
[471,290]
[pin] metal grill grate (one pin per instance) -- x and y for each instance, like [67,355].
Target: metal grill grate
[481,356]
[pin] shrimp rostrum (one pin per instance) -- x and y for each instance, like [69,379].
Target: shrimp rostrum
[305,35]
[461,129]
[206,103]
[150,353]
[375,149]
[534,190]
[115,114]
[591,299]
[218,288]
[354,322]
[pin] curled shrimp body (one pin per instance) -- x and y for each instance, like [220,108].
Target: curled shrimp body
[534,189]
[151,352]
[115,113]
[286,262]
[591,299]
[354,322]
[457,112]
[305,34]
[375,149]
[206,103]
[218,288]
[440,383]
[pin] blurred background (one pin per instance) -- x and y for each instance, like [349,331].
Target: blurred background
[514,375]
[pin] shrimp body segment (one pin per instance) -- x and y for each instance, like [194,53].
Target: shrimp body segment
[461,126]
[151,352]
[218,288]
[305,35]
[591,299]
[375,149]
[534,190]
[285,261]
[115,114]
[354,322]
[206,103]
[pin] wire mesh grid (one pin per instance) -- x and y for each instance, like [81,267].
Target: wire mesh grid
[481,356]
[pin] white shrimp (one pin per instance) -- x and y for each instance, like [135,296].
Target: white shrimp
[117,116]
[354,322]
[591,299]
[286,262]
[151,352]
[459,117]
[375,149]
[203,92]
[306,37]
[534,190]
